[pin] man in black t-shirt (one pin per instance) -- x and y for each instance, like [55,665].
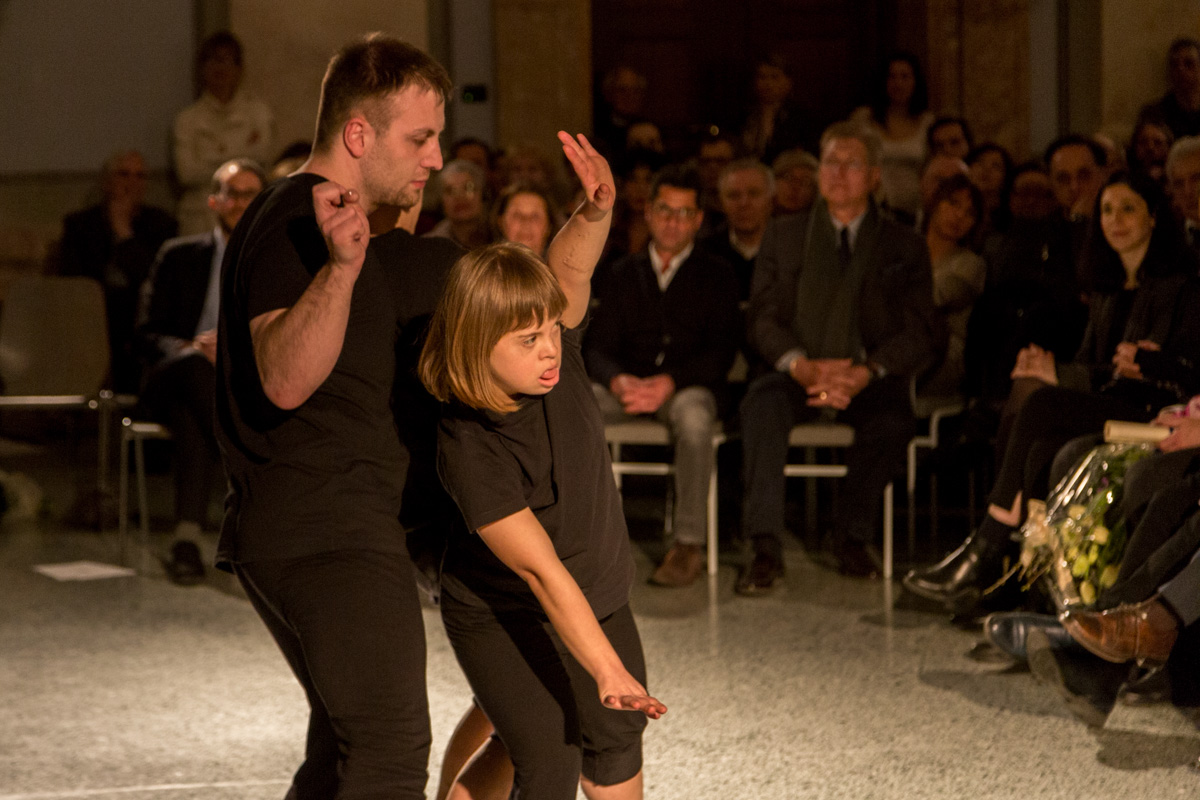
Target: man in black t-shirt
[305,372]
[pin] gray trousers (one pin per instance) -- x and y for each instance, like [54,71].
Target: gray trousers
[690,413]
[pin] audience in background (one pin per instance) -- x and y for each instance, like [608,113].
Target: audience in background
[463,185]
[990,167]
[773,122]
[623,91]
[526,216]
[660,345]
[899,113]
[1148,147]
[225,122]
[795,181]
[949,136]
[746,189]
[713,154]
[177,328]
[841,308]
[1180,106]
[115,242]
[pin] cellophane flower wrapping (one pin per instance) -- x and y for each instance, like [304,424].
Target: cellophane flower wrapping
[1074,542]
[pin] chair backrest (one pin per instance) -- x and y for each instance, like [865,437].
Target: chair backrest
[53,337]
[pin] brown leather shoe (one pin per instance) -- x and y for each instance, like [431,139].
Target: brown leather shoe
[682,565]
[1143,631]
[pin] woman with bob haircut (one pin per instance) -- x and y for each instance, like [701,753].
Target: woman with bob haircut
[537,573]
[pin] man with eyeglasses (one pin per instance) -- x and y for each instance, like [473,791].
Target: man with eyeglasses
[841,306]
[177,332]
[660,345]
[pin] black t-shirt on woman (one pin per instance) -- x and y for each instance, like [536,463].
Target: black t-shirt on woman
[549,456]
[323,476]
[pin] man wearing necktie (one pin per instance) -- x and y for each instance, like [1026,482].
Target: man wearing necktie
[841,306]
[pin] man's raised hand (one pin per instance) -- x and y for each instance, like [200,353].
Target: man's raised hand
[344,225]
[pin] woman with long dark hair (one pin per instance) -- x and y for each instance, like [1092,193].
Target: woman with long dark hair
[1140,352]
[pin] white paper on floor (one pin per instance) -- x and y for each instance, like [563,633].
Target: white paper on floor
[83,571]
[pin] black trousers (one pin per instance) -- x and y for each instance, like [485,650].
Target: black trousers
[545,707]
[181,395]
[1050,418]
[349,624]
[883,424]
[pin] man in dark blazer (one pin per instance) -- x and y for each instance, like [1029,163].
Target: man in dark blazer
[660,344]
[177,331]
[841,308]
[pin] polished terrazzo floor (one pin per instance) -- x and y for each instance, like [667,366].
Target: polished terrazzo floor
[134,688]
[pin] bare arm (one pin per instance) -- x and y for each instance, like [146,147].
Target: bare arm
[573,254]
[522,544]
[295,348]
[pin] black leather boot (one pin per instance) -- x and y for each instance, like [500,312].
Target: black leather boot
[959,580]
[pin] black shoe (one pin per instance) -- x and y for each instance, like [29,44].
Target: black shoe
[854,560]
[1008,632]
[185,567]
[959,580]
[759,576]
[1088,684]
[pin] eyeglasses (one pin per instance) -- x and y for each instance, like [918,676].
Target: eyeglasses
[666,212]
[840,165]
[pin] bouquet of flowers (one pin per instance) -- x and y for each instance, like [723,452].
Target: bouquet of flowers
[1076,539]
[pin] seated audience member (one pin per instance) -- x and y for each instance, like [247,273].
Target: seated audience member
[1180,106]
[624,101]
[950,218]
[1183,185]
[1114,154]
[630,232]
[990,167]
[527,164]
[713,154]
[1149,146]
[178,329]
[1141,352]
[950,136]
[773,122]
[937,169]
[1076,164]
[795,181]
[479,153]
[526,216]
[464,216]
[225,122]
[899,114]
[660,345]
[115,242]
[644,135]
[842,308]
[747,187]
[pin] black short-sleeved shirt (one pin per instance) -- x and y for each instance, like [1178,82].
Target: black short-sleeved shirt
[549,456]
[323,476]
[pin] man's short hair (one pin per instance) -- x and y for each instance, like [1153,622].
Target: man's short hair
[1184,147]
[848,129]
[1071,139]
[790,159]
[363,73]
[677,176]
[747,165]
[232,166]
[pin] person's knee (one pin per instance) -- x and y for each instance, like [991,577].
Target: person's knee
[613,765]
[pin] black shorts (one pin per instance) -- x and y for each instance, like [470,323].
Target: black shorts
[544,705]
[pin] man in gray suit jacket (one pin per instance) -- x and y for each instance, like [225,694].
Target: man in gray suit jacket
[841,306]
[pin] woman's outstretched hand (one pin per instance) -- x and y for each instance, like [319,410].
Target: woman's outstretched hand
[594,173]
[625,693]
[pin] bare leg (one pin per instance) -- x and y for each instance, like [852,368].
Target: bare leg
[628,790]
[1008,516]
[488,776]
[471,733]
